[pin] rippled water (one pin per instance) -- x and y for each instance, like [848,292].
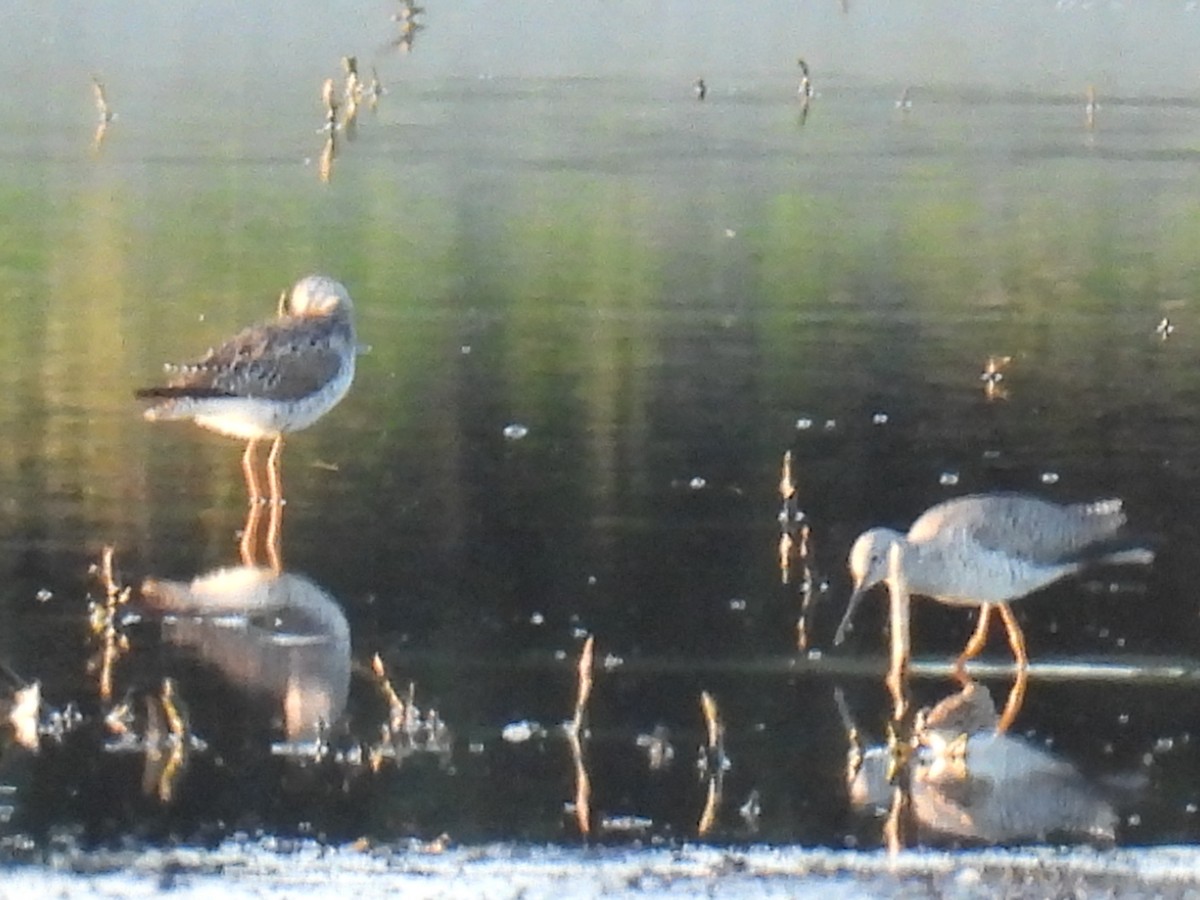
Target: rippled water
[599,313]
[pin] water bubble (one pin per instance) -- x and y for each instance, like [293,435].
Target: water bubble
[697,483]
[1123,719]
[465,349]
[879,419]
[830,424]
[579,633]
[537,619]
[737,604]
[44,594]
[1191,808]
[814,654]
[1134,819]
[560,655]
[730,233]
[475,747]
[515,431]
[1164,745]
[591,580]
[612,661]
[948,479]
[803,423]
[1049,478]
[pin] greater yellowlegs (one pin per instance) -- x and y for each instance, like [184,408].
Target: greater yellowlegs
[271,378]
[987,550]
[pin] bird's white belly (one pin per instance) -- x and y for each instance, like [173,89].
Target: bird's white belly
[988,578]
[258,417]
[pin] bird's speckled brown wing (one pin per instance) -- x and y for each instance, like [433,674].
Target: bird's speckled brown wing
[284,360]
[1020,526]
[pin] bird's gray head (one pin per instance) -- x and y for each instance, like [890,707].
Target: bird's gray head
[869,557]
[868,566]
[316,295]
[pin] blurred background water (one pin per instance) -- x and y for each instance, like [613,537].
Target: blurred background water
[599,312]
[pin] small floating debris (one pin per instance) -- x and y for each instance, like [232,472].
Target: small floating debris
[698,483]
[804,423]
[375,90]
[537,619]
[830,424]
[751,810]
[1165,328]
[657,745]
[904,104]
[993,369]
[22,711]
[520,732]
[515,431]
[992,375]
[100,94]
[44,595]
[1049,478]
[103,111]
[879,419]
[700,88]
[948,479]
[329,99]
[406,19]
[805,91]
[625,824]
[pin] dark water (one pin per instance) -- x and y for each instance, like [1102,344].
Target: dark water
[599,313]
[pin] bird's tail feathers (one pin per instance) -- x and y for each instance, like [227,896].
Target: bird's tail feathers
[175,393]
[1117,552]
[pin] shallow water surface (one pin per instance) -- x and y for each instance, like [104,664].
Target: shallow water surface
[599,312]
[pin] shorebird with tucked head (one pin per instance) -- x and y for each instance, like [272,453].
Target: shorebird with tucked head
[270,379]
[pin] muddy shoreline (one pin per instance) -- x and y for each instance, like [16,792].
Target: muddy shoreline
[277,869]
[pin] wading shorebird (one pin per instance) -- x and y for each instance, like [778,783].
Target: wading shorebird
[271,378]
[988,550]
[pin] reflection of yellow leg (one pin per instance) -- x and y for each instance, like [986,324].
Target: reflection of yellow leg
[976,643]
[1016,698]
[248,460]
[274,533]
[250,533]
[274,476]
[1016,637]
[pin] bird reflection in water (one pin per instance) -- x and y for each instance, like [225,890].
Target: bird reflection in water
[272,634]
[966,781]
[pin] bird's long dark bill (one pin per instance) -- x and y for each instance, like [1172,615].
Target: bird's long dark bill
[846,624]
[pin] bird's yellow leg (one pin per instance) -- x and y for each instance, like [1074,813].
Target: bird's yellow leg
[977,641]
[248,462]
[274,475]
[1016,637]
